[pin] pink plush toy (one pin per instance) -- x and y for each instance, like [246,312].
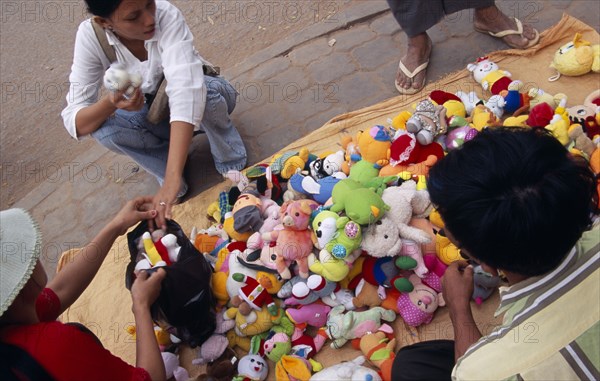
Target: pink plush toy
[294,242]
[314,314]
[417,307]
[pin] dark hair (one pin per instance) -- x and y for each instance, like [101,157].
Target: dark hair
[514,198]
[102,8]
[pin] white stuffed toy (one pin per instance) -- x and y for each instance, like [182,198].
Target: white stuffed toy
[117,78]
[172,368]
[347,371]
[488,74]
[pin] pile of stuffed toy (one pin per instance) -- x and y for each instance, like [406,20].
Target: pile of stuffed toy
[344,241]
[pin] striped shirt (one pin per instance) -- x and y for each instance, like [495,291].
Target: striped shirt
[551,326]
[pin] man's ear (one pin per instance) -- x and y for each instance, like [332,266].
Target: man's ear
[104,23]
[489,269]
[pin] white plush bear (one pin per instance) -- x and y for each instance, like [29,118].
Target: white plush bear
[347,371]
[489,75]
[117,78]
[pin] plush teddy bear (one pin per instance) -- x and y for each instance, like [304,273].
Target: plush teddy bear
[488,74]
[405,202]
[577,57]
[215,345]
[342,327]
[427,122]
[293,243]
[117,78]
[172,368]
[347,371]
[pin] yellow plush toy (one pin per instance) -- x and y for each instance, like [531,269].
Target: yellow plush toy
[575,58]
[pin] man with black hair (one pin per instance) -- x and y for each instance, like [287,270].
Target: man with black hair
[516,201]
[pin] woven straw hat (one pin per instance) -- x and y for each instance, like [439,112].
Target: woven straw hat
[20,246]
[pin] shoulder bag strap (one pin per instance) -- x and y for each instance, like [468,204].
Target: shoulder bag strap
[108,49]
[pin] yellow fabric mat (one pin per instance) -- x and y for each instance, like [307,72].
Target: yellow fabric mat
[105,307]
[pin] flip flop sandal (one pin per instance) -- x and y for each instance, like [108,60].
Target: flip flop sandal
[509,32]
[411,75]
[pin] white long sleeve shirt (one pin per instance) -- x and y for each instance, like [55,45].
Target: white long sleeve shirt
[170,51]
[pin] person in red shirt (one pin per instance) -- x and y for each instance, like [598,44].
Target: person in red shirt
[29,307]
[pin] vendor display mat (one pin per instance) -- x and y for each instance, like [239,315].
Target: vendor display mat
[105,307]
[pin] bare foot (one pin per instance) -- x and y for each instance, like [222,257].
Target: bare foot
[491,19]
[419,49]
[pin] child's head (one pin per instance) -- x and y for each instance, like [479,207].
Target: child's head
[514,199]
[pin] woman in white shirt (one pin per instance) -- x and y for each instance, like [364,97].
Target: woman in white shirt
[151,38]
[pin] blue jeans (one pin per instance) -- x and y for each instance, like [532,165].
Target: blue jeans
[129,133]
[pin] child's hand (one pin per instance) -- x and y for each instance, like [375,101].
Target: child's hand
[146,288]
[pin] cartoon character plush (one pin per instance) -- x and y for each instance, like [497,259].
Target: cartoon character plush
[577,57]
[327,166]
[319,190]
[253,295]
[279,344]
[446,251]
[246,326]
[347,371]
[380,350]
[294,242]
[363,205]
[334,260]
[418,306]
[488,74]
[537,96]
[314,314]
[288,163]
[252,367]
[484,284]
[587,114]
[342,327]
[305,291]
[374,145]
[324,226]
[427,122]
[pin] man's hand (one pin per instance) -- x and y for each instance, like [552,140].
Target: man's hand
[457,286]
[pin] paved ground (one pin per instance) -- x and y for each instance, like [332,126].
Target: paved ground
[287,90]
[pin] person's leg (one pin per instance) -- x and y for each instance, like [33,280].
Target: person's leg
[129,133]
[427,360]
[490,19]
[415,17]
[226,144]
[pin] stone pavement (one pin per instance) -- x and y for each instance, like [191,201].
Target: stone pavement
[286,91]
